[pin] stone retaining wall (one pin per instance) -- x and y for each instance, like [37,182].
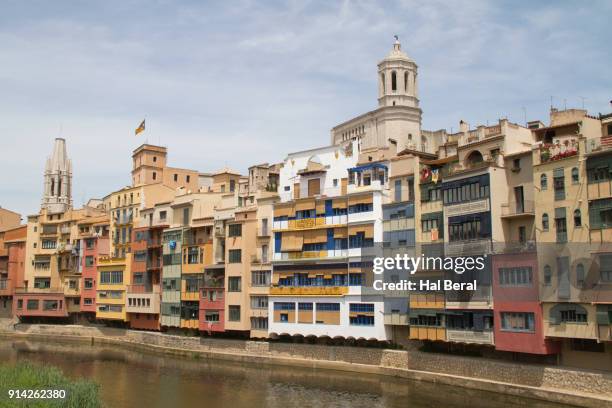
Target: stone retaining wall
[560,379]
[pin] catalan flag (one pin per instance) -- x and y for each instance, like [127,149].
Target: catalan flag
[140,128]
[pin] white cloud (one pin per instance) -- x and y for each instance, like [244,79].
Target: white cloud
[238,83]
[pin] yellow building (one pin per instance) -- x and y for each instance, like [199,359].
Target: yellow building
[114,276]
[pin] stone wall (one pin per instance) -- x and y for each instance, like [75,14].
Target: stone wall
[396,362]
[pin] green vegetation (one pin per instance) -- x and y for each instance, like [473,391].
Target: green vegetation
[28,376]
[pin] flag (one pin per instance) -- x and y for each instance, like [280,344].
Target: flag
[434,176]
[140,128]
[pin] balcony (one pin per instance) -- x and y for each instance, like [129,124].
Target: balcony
[518,209]
[65,230]
[375,185]
[396,319]
[24,290]
[467,208]
[469,247]
[432,333]
[306,255]
[470,336]
[551,152]
[309,290]
[427,301]
[154,263]
[310,223]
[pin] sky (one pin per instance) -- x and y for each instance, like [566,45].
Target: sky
[236,83]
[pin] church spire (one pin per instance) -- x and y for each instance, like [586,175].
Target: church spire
[57,195]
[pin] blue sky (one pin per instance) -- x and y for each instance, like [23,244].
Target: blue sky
[243,82]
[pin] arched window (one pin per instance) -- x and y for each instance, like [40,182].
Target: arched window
[547,275]
[545,222]
[409,136]
[52,187]
[393,81]
[382,80]
[543,182]
[406,81]
[580,275]
[567,313]
[575,178]
[474,159]
[577,218]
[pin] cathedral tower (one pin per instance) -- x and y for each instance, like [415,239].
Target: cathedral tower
[57,196]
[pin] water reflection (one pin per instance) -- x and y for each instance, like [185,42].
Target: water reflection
[141,379]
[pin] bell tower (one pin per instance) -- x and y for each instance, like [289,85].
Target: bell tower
[57,196]
[397,79]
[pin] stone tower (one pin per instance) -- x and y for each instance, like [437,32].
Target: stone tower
[397,84]
[57,196]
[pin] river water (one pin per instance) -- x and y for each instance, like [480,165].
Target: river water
[136,379]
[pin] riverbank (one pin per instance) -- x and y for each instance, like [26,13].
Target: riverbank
[548,383]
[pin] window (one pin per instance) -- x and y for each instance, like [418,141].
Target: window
[211,317]
[577,218]
[233,284]
[32,304]
[393,81]
[600,213]
[192,285]
[561,225]
[559,184]
[575,177]
[42,283]
[162,215]
[235,230]
[547,275]
[580,275]
[88,301]
[605,268]
[260,278]
[521,322]
[362,307]
[328,307]
[264,253]
[545,222]
[259,302]
[89,243]
[88,283]
[516,164]
[259,323]
[471,189]
[573,316]
[175,177]
[19,303]
[235,256]
[111,278]
[188,179]
[398,190]
[522,234]
[154,176]
[516,276]
[50,304]
[543,182]
[234,313]
[140,256]
[48,244]
[232,185]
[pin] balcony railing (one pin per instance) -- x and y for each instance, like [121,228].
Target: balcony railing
[306,223]
[518,208]
[470,336]
[143,288]
[21,290]
[468,247]
[334,253]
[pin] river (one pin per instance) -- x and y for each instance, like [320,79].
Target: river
[136,379]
